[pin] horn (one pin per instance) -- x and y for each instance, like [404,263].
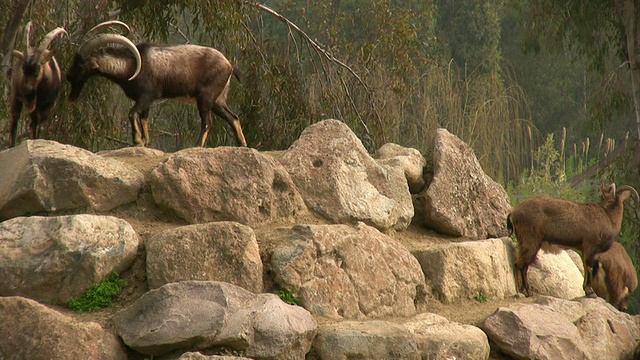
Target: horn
[44,44]
[103,39]
[106,24]
[27,34]
[629,188]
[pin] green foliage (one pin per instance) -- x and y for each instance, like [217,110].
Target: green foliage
[546,177]
[289,296]
[481,297]
[99,296]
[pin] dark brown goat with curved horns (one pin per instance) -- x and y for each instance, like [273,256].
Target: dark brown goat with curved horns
[151,72]
[35,82]
[553,224]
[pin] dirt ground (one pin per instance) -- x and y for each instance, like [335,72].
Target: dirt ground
[147,220]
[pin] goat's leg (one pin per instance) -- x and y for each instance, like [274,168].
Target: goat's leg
[135,128]
[222,110]
[144,127]
[141,107]
[205,125]
[16,108]
[525,257]
[37,117]
[588,262]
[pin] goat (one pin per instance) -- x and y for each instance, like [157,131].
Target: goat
[151,72]
[552,224]
[35,82]
[614,276]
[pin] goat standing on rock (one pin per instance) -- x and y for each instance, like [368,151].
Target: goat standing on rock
[151,72]
[35,82]
[553,224]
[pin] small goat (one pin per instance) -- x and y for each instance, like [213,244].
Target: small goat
[35,82]
[553,224]
[614,276]
[151,72]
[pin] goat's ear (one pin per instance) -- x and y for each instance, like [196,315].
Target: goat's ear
[46,56]
[612,189]
[18,54]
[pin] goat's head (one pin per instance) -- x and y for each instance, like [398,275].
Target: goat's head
[611,196]
[84,65]
[33,60]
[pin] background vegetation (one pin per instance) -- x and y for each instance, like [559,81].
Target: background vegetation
[538,88]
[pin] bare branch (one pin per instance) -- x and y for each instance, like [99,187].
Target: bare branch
[323,52]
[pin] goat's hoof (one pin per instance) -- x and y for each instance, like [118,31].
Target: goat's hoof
[591,295]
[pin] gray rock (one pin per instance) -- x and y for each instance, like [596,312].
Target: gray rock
[465,270]
[461,200]
[32,331]
[202,314]
[219,251]
[555,275]
[347,272]
[440,339]
[341,181]
[41,176]
[225,184]
[381,340]
[54,259]
[534,331]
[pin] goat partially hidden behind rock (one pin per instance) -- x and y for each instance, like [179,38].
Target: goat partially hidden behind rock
[614,276]
[151,72]
[35,82]
[552,224]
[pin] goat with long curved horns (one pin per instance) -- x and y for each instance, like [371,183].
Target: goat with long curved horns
[151,72]
[552,224]
[35,82]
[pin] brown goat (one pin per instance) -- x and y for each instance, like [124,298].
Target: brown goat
[614,276]
[553,224]
[151,72]
[35,82]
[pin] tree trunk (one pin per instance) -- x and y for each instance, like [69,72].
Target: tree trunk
[8,40]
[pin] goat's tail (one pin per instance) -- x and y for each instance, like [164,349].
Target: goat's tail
[509,225]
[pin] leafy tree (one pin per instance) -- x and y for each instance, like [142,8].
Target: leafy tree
[602,33]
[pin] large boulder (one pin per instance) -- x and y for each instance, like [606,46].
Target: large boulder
[461,200]
[466,270]
[204,314]
[41,176]
[54,259]
[225,184]
[553,328]
[347,272]
[535,331]
[341,181]
[441,339]
[32,331]
[219,251]
[556,275]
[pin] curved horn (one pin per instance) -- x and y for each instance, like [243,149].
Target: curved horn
[627,187]
[108,24]
[104,39]
[44,44]
[27,34]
